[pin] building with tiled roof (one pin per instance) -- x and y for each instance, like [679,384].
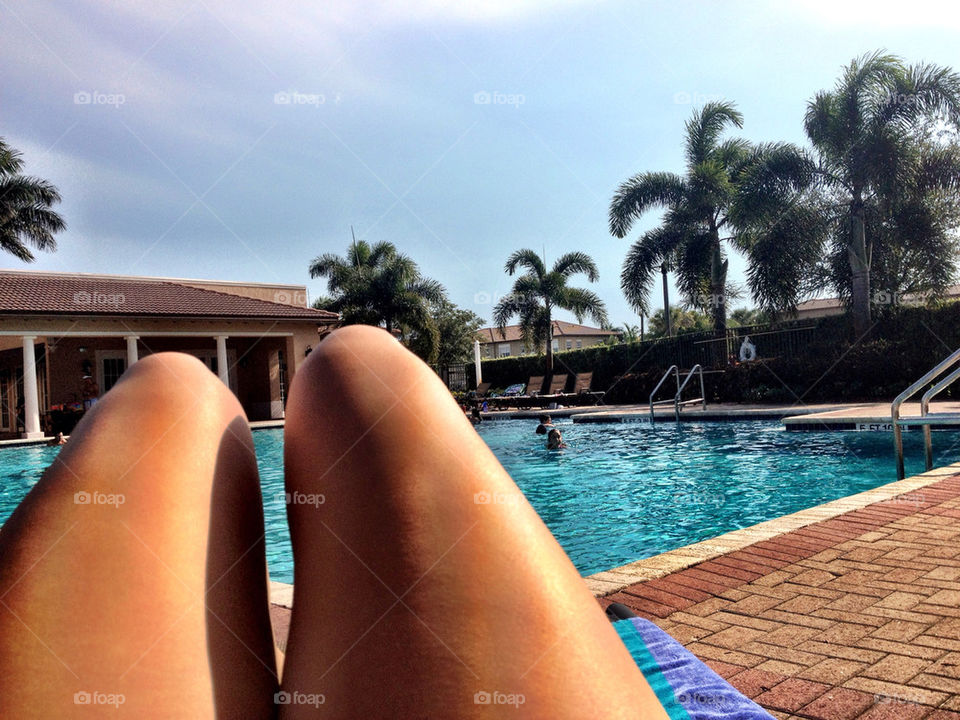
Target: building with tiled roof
[566,336]
[824,307]
[77,333]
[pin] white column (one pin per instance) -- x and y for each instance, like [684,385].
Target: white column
[132,355]
[476,361]
[222,370]
[31,400]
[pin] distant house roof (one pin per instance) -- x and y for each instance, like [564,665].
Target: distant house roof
[37,293]
[833,306]
[560,328]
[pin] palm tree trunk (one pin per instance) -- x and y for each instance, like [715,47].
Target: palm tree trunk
[859,271]
[549,343]
[666,301]
[718,285]
[718,301]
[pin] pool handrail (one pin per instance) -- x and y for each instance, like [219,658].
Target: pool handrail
[672,369]
[925,409]
[931,375]
[703,392]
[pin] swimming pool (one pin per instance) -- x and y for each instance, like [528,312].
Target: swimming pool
[621,492]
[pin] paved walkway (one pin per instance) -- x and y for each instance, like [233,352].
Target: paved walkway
[857,616]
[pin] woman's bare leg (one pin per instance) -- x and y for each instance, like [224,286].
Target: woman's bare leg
[134,575]
[426,585]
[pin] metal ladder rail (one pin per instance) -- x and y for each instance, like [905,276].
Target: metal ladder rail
[672,369]
[938,370]
[925,409]
[703,392]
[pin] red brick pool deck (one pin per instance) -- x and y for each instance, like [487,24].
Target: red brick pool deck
[852,617]
[857,616]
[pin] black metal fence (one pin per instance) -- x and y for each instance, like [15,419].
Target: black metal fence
[711,351]
[457,377]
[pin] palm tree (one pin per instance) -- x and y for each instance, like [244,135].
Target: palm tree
[537,292]
[628,333]
[874,165]
[25,214]
[377,285]
[690,238]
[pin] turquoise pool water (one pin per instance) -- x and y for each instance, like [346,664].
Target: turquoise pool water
[622,492]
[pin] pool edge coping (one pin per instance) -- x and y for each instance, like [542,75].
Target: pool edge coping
[616,579]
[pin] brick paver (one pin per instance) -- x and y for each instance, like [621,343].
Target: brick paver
[853,618]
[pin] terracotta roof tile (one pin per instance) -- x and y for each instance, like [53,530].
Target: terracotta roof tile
[65,294]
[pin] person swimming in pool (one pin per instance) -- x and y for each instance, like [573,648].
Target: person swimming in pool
[555,440]
[134,572]
[546,424]
[59,439]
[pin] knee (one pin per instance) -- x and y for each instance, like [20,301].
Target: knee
[354,375]
[169,381]
[354,353]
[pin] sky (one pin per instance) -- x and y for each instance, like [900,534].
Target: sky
[237,140]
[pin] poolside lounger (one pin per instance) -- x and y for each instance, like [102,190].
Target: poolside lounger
[555,394]
[582,394]
[534,388]
[482,390]
[512,391]
[686,687]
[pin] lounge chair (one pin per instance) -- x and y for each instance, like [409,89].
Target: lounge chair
[534,388]
[582,394]
[555,394]
[685,686]
[512,391]
[483,389]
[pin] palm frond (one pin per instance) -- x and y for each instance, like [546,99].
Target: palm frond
[706,126]
[528,259]
[641,193]
[582,302]
[576,262]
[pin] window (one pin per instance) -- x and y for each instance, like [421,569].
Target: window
[110,366]
[569,344]
[579,343]
[282,377]
[504,350]
[5,410]
[556,345]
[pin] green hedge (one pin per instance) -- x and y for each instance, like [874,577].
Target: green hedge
[824,365]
